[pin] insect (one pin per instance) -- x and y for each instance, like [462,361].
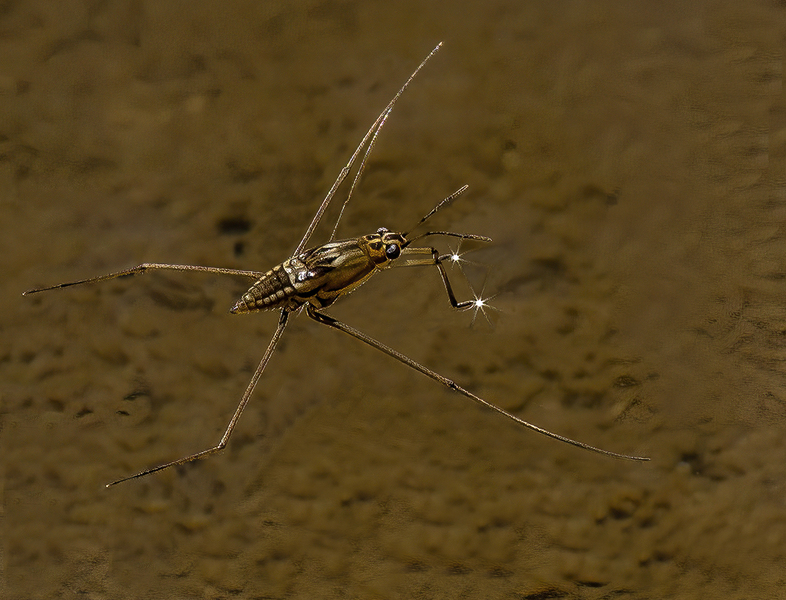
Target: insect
[315,278]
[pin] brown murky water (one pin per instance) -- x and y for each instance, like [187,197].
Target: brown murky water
[628,160]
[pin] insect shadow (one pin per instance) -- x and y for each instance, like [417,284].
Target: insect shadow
[315,278]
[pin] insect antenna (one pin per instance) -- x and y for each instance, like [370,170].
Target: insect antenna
[445,202]
[434,210]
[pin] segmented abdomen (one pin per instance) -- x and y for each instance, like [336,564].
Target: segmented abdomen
[273,290]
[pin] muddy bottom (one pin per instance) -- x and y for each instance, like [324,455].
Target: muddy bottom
[627,160]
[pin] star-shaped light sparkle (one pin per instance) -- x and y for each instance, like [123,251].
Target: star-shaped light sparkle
[480,304]
[456,257]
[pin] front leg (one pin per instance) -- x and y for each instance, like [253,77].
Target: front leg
[419,257]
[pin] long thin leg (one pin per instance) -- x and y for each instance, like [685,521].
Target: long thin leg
[359,173]
[144,267]
[331,322]
[345,171]
[282,323]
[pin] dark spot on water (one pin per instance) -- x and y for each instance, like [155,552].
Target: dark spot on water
[56,405]
[624,381]
[546,594]
[233,225]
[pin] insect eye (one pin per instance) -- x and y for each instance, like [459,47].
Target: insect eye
[392,251]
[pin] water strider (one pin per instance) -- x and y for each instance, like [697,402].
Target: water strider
[315,278]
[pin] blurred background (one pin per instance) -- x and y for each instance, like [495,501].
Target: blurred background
[626,157]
